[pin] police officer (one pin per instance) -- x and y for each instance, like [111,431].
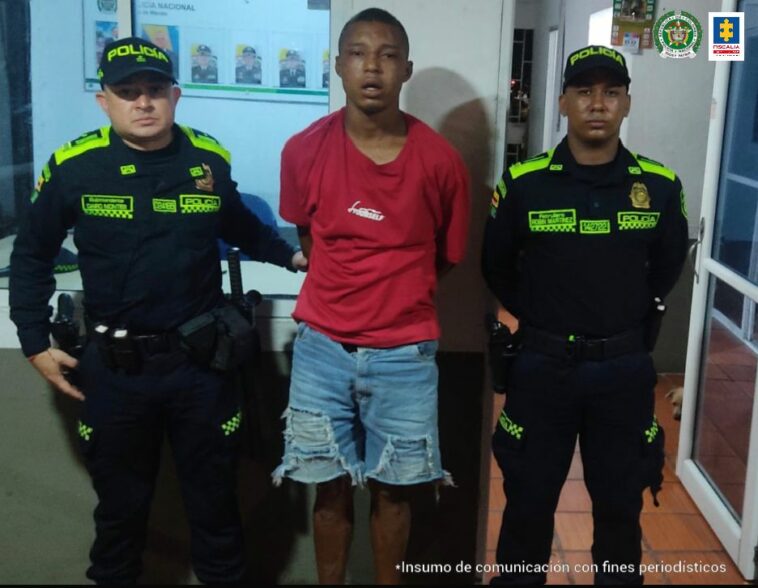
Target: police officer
[579,243]
[205,72]
[250,70]
[147,199]
[292,71]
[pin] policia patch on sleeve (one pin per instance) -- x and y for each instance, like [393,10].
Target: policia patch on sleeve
[497,195]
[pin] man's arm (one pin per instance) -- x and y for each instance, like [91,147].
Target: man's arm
[44,222]
[456,208]
[241,227]
[669,251]
[500,251]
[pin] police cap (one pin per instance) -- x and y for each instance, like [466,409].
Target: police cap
[132,55]
[595,57]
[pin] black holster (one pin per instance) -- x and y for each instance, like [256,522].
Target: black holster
[503,347]
[220,339]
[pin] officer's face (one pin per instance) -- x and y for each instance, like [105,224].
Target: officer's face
[595,108]
[141,110]
[203,59]
[373,64]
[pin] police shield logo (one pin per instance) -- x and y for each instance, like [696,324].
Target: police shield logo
[639,195]
[677,34]
[206,182]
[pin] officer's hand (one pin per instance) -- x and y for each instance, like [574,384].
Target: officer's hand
[53,364]
[300,261]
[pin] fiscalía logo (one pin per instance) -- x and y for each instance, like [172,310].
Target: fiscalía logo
[639,195]
[206,182]
[677,34]
[726,36]
[368,213]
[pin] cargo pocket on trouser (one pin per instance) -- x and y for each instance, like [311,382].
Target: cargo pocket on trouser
[653,458]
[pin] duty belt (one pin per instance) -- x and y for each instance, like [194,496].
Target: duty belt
[147,344]
[581,348]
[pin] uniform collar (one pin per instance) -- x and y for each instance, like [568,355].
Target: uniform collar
[623,165]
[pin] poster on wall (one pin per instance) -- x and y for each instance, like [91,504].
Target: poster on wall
[633,24]
[274,50]
[100,28]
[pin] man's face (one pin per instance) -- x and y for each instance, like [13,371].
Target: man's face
[595,107]
[248,59]
[141,109]
[203,59]
[373,65]
[160,39]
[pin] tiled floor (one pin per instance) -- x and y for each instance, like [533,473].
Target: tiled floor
[673,535]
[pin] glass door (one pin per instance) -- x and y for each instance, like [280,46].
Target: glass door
[718,452]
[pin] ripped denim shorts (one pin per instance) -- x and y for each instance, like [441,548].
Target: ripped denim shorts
[366,413]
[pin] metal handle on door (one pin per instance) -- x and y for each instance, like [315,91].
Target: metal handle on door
[692,253]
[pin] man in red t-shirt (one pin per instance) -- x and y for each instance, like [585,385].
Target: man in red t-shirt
[381,202]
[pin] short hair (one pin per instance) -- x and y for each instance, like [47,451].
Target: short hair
[375,15]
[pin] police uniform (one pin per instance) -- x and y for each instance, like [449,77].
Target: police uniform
[292,77]
[578,253]
[244,75]
[209,75]
[146,225]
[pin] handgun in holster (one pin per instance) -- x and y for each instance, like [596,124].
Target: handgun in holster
[64,328]
[653,322]
[503,347]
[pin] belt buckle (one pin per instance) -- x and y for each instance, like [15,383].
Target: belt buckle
[576,346]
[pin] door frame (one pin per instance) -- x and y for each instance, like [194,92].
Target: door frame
[739,540]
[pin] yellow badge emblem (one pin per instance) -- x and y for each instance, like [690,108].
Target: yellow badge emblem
[206,182]
[639,195]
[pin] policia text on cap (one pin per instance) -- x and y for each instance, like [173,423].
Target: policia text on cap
[147,199]
[580,242]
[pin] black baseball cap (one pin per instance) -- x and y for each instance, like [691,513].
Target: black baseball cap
[132,55]
[595,57]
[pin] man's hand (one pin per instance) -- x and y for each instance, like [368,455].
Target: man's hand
[300,261]
[53,364]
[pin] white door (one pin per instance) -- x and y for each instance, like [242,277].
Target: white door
[718,449]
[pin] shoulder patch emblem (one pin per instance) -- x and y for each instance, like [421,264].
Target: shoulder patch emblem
[206,182]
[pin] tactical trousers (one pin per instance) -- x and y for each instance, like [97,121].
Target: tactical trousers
[609,406]
[122,428]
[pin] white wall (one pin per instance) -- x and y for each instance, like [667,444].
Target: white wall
[461,52]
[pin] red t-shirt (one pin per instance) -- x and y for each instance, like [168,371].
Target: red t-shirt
[377,230]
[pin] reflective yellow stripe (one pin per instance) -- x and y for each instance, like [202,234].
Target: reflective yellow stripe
[95,140]
[653,167]
[534,164]
[206,142]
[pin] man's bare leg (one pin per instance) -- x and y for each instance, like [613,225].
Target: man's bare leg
[333,529]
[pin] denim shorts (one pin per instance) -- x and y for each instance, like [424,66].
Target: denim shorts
[369,413]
